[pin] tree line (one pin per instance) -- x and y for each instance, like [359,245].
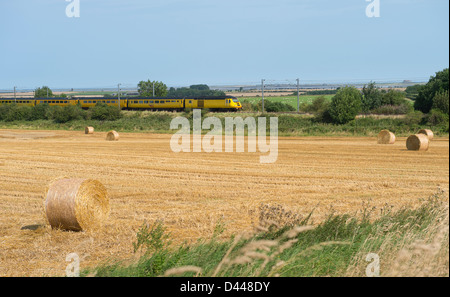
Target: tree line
[431,103]
[159,89]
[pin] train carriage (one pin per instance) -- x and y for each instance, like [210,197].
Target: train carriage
[19,101]
[161,103]
[88,102]
[56,101]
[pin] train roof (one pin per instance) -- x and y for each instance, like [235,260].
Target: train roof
[22,99]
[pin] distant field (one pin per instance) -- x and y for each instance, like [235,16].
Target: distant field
[291,100]
[90,93]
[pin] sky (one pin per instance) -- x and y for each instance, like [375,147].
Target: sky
[227,42]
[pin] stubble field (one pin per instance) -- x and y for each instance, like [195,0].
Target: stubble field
[192,192]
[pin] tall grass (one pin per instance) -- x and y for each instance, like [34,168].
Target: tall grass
[409,242]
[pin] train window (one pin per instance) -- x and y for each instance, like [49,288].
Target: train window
[146,102]
[135,102]
[190,101]
[89,101]
[65,101]
[151,101]
[85,101]
[173,101]
[156,101]
[141,102]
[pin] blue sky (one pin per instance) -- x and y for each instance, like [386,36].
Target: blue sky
[219,42]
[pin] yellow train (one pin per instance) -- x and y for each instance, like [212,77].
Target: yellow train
[225,103]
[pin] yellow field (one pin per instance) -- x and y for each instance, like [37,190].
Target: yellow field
[191,192]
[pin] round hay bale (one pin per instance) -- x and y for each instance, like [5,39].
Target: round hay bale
[112,136]
[76,204]
[386,137]
[89,130]
[428,133]
[418,142]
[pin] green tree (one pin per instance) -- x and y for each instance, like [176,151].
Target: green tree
[393,97]
[199,87]
[413,91]
[194,91]
[372,97]
[441,102]
[145,88]
[345,105]
[44,92]
[436,84]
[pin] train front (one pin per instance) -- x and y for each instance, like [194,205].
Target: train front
[234,103]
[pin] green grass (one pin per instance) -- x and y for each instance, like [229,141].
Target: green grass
[288,124]
[336,247]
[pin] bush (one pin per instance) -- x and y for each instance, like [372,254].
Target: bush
[4,109]
[270,106]
[103,112]
[318,105]
[14,112]
[247,106]
[413,118]
[345,105]
[65,114]
[436,117]
[404,108]
[40,112]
